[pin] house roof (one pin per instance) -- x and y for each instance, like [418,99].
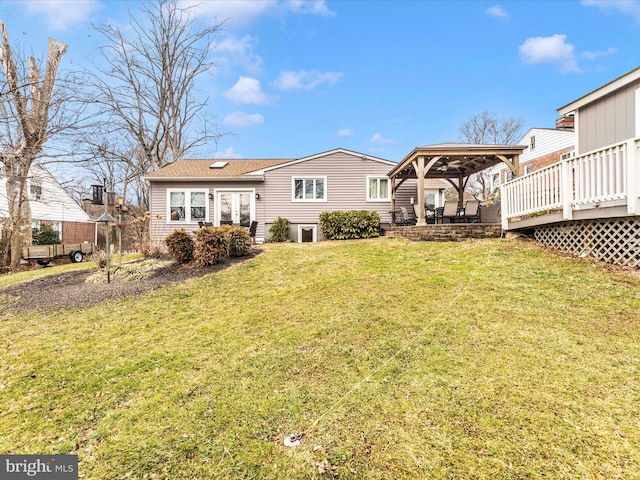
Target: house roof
[453,160]
[600,92]
[201,168]
[331,152]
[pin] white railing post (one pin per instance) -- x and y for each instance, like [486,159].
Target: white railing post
[632,161]
[566,189]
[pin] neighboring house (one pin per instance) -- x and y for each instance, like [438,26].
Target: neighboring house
[50,205]
[545,146]
[240,191]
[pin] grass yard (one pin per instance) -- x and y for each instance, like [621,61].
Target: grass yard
[473,360]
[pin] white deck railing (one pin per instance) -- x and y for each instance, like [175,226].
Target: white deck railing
[603,175]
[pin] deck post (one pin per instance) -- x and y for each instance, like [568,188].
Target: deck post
[566,189]
[632,160]
[420,173]
[393,200]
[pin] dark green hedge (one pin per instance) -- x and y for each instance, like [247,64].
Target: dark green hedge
[350,225]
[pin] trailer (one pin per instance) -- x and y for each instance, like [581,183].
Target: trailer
[43,254]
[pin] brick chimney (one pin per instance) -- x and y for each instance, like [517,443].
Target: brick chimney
[565,123]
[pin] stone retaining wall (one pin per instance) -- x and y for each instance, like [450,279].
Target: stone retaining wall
[446,232]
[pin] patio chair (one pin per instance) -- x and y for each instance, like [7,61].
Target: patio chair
[437,214]
[408,218]
[252,232]
[450,212]
[397,218]
[471,211]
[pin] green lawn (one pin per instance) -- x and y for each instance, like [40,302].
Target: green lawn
[485,359]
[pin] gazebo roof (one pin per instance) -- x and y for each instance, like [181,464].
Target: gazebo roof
[454,160]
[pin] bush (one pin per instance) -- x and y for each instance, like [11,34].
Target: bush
[350,225]
[211,246]
[239,240]
[46,235]
[180,245]
[279,231]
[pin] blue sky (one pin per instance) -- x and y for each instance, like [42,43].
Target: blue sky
[295,78]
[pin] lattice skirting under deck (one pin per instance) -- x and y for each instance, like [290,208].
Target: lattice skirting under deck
[615,240]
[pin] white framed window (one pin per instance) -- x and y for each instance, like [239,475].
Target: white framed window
[528,168]
[533,141]
[57,227]
[509,176]
[35,189]
[309,189]
[187,205]
[378,189]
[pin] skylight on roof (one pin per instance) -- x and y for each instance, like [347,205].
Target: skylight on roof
[218,165]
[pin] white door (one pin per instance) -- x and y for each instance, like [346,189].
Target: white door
[235,208]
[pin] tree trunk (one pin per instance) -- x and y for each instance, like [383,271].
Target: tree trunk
[19,210]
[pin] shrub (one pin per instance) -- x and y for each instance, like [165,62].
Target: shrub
[239,240]
[46,235]
[211,246]
[350,225]
[180,245]
[279,231]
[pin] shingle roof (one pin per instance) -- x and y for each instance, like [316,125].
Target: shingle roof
[200,168]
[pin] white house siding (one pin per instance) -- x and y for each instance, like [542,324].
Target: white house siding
[159,228]
[547,142]
[608,120]
[53,204]
[346,189]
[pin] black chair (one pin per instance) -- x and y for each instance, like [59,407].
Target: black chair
[252,231]
[438,215]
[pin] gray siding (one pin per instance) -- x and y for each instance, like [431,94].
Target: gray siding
[159,227]
[608,120]
[346,189]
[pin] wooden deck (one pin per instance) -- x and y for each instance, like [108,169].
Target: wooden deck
[587,206]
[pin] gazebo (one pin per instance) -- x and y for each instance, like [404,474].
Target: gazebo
[454,162]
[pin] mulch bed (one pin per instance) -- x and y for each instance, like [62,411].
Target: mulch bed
[69,290]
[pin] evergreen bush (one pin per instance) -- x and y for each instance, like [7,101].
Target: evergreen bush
[239,240]
[350,225]
[279,231]
[180,246]
[211,246]
[45,235]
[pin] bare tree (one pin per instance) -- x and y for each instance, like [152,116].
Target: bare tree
[146,87]
[487,128]
[26,106]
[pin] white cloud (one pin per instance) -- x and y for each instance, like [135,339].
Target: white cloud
[599,53]
[553,49]
[239,52]
[229,153]
[62,14]
[496,11]
[243,13]
[345,132]
[313,7]
[247,90]
[241,119]
[626,7]
[380,140]
[304,80]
